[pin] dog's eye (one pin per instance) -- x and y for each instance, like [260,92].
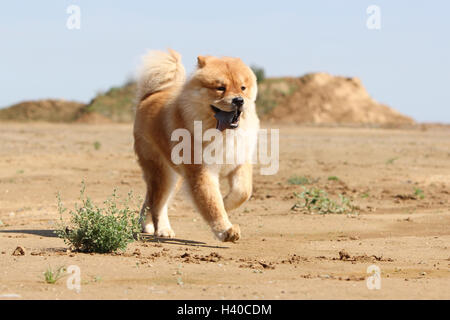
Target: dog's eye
[243,88]
[222,89]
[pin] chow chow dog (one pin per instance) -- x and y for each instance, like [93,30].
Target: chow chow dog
[221,94]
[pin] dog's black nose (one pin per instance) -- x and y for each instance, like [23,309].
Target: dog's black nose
[238,102]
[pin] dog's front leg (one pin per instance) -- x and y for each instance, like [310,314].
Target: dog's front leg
[205,191]
[240,181]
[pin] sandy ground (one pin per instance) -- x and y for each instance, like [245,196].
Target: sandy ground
[283,254]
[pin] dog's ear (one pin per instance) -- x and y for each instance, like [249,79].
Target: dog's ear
[201,61]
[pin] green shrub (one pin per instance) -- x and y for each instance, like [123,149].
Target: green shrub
[259,72]
[100,230]
[317,201]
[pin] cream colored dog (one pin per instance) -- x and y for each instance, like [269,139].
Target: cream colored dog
[221,94]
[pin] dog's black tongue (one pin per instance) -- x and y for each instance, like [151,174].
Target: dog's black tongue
[224,119]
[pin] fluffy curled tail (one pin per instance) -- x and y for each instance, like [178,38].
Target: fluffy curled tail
[159,71]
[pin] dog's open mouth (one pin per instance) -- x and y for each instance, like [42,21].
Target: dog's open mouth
[226,120]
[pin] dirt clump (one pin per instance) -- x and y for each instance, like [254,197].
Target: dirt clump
[19,251]
[256,264]
[345,256]
[196,258]
[294,259]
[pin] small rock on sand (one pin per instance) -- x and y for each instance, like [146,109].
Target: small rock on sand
[20,251]
[344,255]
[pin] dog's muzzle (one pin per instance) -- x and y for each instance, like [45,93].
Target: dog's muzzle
[226,120]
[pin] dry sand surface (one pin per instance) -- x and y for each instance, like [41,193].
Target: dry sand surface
[283,254]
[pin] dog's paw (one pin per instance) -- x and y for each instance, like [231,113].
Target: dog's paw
[148,228]
[231,235]
[165,233]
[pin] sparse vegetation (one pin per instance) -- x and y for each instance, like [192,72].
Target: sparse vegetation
[101,230]
[316,200]
[365,195]
[333,178]
[419,193]
[97,145]
[51,276]
[116,104]
[391,160]
[273,92]
[297,180]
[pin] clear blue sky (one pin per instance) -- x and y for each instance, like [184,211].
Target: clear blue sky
[405,64]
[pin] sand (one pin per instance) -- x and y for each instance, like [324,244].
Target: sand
[283,254]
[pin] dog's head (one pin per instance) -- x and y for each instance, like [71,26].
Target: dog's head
[226,88]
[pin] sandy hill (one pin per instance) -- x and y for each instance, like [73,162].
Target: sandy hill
[49,110]
[317,98]
[320,98]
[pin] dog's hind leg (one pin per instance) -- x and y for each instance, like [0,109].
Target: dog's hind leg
[161,182]
[146,217]
[240,181]
[161,198]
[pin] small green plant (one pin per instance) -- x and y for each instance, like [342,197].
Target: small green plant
[391,160]
[419,193]
[52,276]
[101,230]
[317,201]
[365,195]
[333,178]
[97,145]
[296,180]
